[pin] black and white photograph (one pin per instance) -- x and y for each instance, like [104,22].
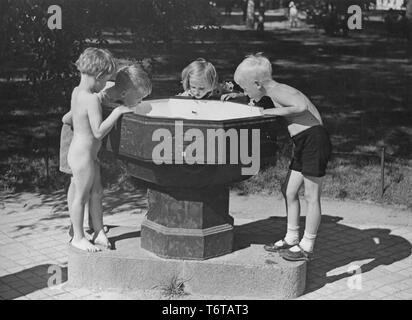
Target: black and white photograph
[206,154]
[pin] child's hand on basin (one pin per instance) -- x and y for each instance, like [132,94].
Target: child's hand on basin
[143,108]
[231,95]
[124,109]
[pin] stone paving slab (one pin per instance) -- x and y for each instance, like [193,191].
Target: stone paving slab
[363,251]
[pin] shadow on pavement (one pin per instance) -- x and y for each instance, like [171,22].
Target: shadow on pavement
[27,281]
[114,239]
[337,247]
[53,207]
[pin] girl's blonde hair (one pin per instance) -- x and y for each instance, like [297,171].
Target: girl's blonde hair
[96,62]
[200,68]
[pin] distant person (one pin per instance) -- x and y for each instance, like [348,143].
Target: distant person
[260,23]
[250,17]
[244,9]
[261,17]
[293,15]
[312,151]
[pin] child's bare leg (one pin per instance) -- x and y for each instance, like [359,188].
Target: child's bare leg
[87,217]
[70,197]
[290,189]
[304,250]
[83,181]
[291,194]
[313,188]
[96,209]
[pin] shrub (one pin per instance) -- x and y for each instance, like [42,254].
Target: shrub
[174,287]
[46,56]
[152,21]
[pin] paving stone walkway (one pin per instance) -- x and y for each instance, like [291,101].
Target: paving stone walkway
[363,251]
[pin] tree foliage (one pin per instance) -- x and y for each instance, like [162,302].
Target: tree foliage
[45,55]
[48,55]
[153,20]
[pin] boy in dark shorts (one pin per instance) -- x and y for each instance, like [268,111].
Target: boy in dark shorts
[312,150]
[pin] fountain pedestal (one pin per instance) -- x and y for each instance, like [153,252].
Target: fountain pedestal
[188,224]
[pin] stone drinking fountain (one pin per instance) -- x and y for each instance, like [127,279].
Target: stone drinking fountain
[189,152]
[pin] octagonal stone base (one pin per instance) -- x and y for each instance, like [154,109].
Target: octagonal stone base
[188,224]
[187,244]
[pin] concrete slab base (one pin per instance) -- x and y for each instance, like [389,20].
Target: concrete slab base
[249,272]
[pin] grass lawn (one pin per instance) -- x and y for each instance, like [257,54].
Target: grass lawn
[360,84]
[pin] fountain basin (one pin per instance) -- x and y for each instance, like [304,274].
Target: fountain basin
[204,146]
[132,141]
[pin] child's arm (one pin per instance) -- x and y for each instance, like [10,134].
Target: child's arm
[104,96]
[101,128]
[67,118]
[231,95]
[288,101]
[229,92]
[185,94]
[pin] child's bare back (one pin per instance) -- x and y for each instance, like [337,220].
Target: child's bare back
[306,114]
[82,155]
[96,67]
[84,145]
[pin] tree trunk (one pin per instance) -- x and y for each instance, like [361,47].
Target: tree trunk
[250,20]
[409,17]
[409,10]
[4,8]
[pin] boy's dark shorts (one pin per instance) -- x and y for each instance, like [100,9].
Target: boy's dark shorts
[311,152]
[66,137]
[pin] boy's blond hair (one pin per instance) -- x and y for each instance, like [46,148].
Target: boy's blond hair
[200,68]
[134,77]
[255,67]
[96,62]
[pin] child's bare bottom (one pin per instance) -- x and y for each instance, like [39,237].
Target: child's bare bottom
[87,188]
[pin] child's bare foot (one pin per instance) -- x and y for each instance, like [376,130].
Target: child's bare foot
[101,239]
[84,244]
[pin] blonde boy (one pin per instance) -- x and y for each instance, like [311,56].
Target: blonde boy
[96,67]
[132,83]
[312,149]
